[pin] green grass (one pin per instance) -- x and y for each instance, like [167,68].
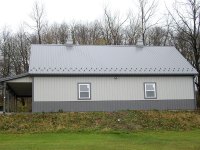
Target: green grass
[149,140]
[128,130]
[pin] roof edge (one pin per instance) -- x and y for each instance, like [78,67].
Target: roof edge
[103,74]
[96,45]
[14,77]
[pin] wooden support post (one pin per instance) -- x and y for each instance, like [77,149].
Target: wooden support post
[4,98]
[8,102]
[16,104]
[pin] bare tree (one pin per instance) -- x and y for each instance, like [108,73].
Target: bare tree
[38,17]
[96,33]
[169,36]
[147,11]
[50,34]
[5,51]
[81,32]
[132,31]
[187,25]
[113,26]
[183,46]
[62,32]
[22,49]
[15,51]
[159,36]
[88,33]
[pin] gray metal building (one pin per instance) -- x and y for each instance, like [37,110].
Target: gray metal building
[104,78]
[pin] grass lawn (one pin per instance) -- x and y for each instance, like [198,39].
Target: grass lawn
[173,140]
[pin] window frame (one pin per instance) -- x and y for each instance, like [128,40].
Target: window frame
[79,91]
[155,90]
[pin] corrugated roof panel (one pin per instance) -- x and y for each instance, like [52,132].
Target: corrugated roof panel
[59,59]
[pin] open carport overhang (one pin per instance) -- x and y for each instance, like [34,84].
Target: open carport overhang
[21,89]
[20,85]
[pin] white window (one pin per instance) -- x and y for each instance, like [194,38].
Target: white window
[84,90]
[150,90]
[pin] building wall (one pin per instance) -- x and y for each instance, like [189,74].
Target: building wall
[51,94]
[108,88]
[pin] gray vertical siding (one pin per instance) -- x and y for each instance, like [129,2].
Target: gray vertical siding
[109,88]
[113,105]
[51,94]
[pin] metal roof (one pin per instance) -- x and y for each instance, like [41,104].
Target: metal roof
[89,59]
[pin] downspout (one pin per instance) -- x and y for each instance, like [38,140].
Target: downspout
[195,95]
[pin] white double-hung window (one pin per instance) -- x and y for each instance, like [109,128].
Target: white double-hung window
[150,90]
[84,91]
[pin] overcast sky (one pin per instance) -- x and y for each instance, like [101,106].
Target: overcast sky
[16,12]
